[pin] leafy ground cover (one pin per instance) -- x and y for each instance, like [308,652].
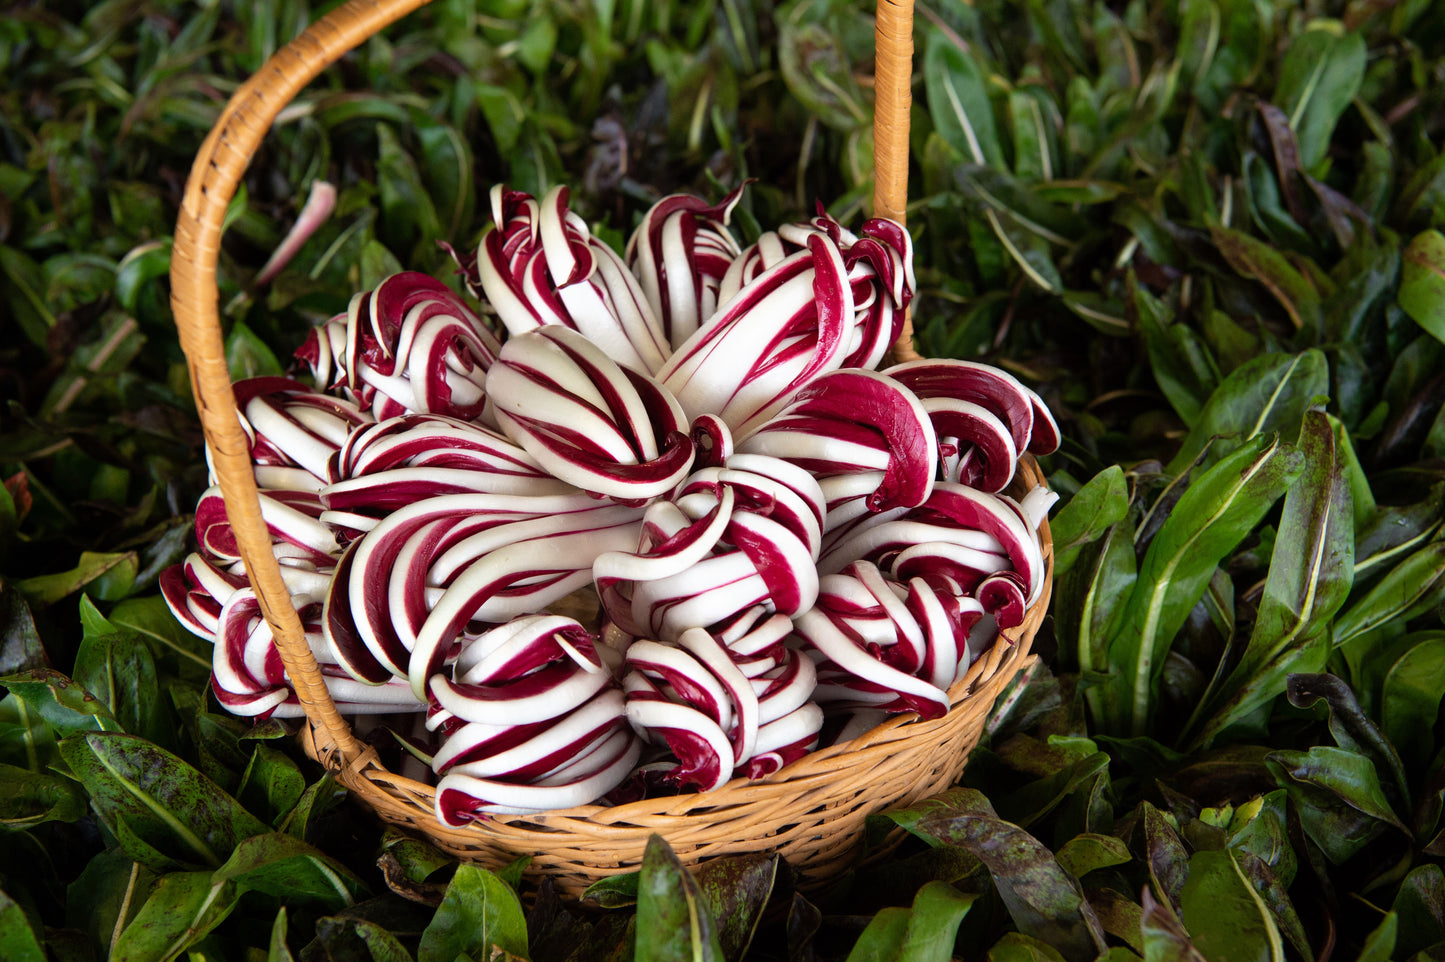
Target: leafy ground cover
[1208,232]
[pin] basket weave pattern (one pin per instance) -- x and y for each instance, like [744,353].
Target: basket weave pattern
[812,811]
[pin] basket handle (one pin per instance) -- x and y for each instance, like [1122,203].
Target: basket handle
[892,102]
[217,172]
[214,178]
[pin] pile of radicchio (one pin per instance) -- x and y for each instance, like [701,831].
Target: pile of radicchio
[693,435]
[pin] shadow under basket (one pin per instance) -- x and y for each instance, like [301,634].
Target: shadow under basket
[811,812]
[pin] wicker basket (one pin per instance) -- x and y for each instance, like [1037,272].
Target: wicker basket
[812,812]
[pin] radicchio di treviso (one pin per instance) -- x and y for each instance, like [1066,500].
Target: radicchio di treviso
[694,435]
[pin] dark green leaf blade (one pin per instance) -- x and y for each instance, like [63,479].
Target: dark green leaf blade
[271,785]
[1210,519]
[1311,571]
[66,707]
[1165,938]
[1338,796]
[118,667]
[18,941]
[279,951]
[736,890]
[1351,728]
[110,884]
[182,910]
[479,914]
[1422,282]
[958,102]
[1410,700]
[167,804]
[1411,588]
[1320,75]
[883,939]
[1043,899]
[933,922]
[288,868]
[673,921]
[1225,916]
[1094,508]
[29,798]
[1272,392]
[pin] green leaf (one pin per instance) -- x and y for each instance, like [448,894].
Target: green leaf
[736,890]
[1259,828]
[118,668]
[106,896]
[183,817]
[1410,702]
[271,785]
[817,69]
[66,707]
[20,645]
[18,941]
[1166,854]
[938,908]
[135,289]
[181,911]
[377,264]
[1102,502]
[1422,282]
[1091,602]
[535,45]
[1034,801]
[1270,393]
[29,798]
[288,868]
[1084,853]
[673,921]
[21,284]
[1351,728]
[1310,574]
[1014,947]
[1274,892]
[1338,796]
[924,932]
[1420,909]
[1413,587]
[278,951]
[1209,521]
[1255,259]
[1180,361]
[1225,916]
[418,860]
[407,212]
[614,891]
[883,939]
[448,163]
[958,102]
[249,356]
[1029,251]
[152,620]
[1031,112]
[1043,899]
[1165,938]
[370,931]
[118,568]
[1319,76]
[504,115]
[479,914]
[1380,944]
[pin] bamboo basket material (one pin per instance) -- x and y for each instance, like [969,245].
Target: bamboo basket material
[812,812]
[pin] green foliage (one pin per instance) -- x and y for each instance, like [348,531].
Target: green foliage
[1208,232]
